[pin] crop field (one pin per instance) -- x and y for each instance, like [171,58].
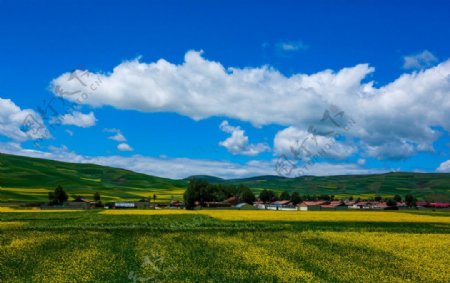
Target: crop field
[223,246]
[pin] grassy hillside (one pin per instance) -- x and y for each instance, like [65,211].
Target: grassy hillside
[30,179]
[426,186]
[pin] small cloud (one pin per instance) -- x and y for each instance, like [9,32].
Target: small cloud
[238,142]
[361,162]
[69,132]
[419,61]
[76,119]
[124,147]
[291,46]
[119,137]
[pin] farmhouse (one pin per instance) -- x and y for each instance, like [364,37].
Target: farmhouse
[79,203]
[334,205]
[281,205]
[310,205]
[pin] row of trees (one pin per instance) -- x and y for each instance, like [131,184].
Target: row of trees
[202,191]
[59,196]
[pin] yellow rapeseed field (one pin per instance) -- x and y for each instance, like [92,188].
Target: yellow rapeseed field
[289,216]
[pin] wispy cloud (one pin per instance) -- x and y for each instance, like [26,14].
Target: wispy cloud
[420,60]
[291,46]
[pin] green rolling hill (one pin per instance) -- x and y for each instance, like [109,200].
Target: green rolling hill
[28,179]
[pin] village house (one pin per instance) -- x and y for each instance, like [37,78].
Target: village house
[281,205]
[334,205]
[310,205]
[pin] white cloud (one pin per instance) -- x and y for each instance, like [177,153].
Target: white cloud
[182,167]
[420,60]
[298,144]
[290,46]
[238,142]
[124,147]
[118,135]
[76,119]
[361,162]
[20,125]
[402,113]
[69,132]
[444,167]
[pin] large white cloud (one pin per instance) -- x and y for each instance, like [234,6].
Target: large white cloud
[401,113]
[238,142]
[20,125]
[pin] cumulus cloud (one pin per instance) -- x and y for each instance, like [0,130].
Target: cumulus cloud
[420,60]
[303,145]
[444,167]
[404,112]
[20,125]
[182,167]
[124,147]
[76,119]
[238,142]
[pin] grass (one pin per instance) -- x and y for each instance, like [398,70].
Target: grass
[224,246]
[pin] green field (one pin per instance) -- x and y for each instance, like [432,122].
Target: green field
[223,246]
[24,179]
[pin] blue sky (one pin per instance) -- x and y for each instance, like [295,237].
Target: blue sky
[229,88]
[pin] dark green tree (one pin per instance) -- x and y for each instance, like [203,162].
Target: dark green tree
[410,200]
[97,196]
[378,198]
[195,192]
[285,196]
[246,195]
[391,202]
[397,198]
[296,198]
[266,195]
[58,197]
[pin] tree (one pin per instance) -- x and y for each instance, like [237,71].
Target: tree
[378,198]
[350,198]
[410,200]
[391,202]
[266,195]
[296,198]
[397,198]
[195,192]
[96,196]
[59,196]
[325,197]
[246,195]
[285,196]
[154,198]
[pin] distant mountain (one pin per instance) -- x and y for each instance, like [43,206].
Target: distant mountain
[210,179]
[30,179]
